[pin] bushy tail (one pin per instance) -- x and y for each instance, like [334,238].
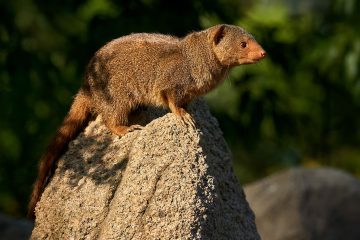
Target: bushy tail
[72,125]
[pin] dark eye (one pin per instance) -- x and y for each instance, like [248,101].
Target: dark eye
[243,44]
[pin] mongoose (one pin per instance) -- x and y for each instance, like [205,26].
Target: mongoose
[148,69]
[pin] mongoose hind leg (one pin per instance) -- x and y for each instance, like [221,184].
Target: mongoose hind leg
[121,130]
[118,126]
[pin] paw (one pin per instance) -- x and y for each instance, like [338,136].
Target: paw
[187,119]
[134,128]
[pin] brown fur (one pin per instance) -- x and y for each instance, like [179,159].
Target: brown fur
[142,69]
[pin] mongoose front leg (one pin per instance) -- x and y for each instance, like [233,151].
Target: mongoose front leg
[181,112]
[117,130]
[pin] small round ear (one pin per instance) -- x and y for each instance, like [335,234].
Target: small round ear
[218,34]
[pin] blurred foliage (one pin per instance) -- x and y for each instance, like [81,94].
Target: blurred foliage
[300,106]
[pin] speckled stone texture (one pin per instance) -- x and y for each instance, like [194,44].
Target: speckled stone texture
[166,181]
[306,204]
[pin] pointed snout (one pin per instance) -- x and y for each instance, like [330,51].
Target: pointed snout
[260,55]
[255,51]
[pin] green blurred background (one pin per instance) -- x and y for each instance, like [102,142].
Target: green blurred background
[299,106]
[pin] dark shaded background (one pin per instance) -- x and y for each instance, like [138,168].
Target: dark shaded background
[300,106]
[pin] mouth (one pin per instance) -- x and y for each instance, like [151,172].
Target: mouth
[249,61]
[252,58]
[257,57]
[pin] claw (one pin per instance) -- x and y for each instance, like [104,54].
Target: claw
[188,120]
[134,127]
[184,116]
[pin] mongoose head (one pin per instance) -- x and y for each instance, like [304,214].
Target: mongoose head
[233,46]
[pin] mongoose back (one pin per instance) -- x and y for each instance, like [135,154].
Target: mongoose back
[148,69]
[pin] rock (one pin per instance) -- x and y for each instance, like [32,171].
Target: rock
[14,229]
[307,204]
[166,181]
